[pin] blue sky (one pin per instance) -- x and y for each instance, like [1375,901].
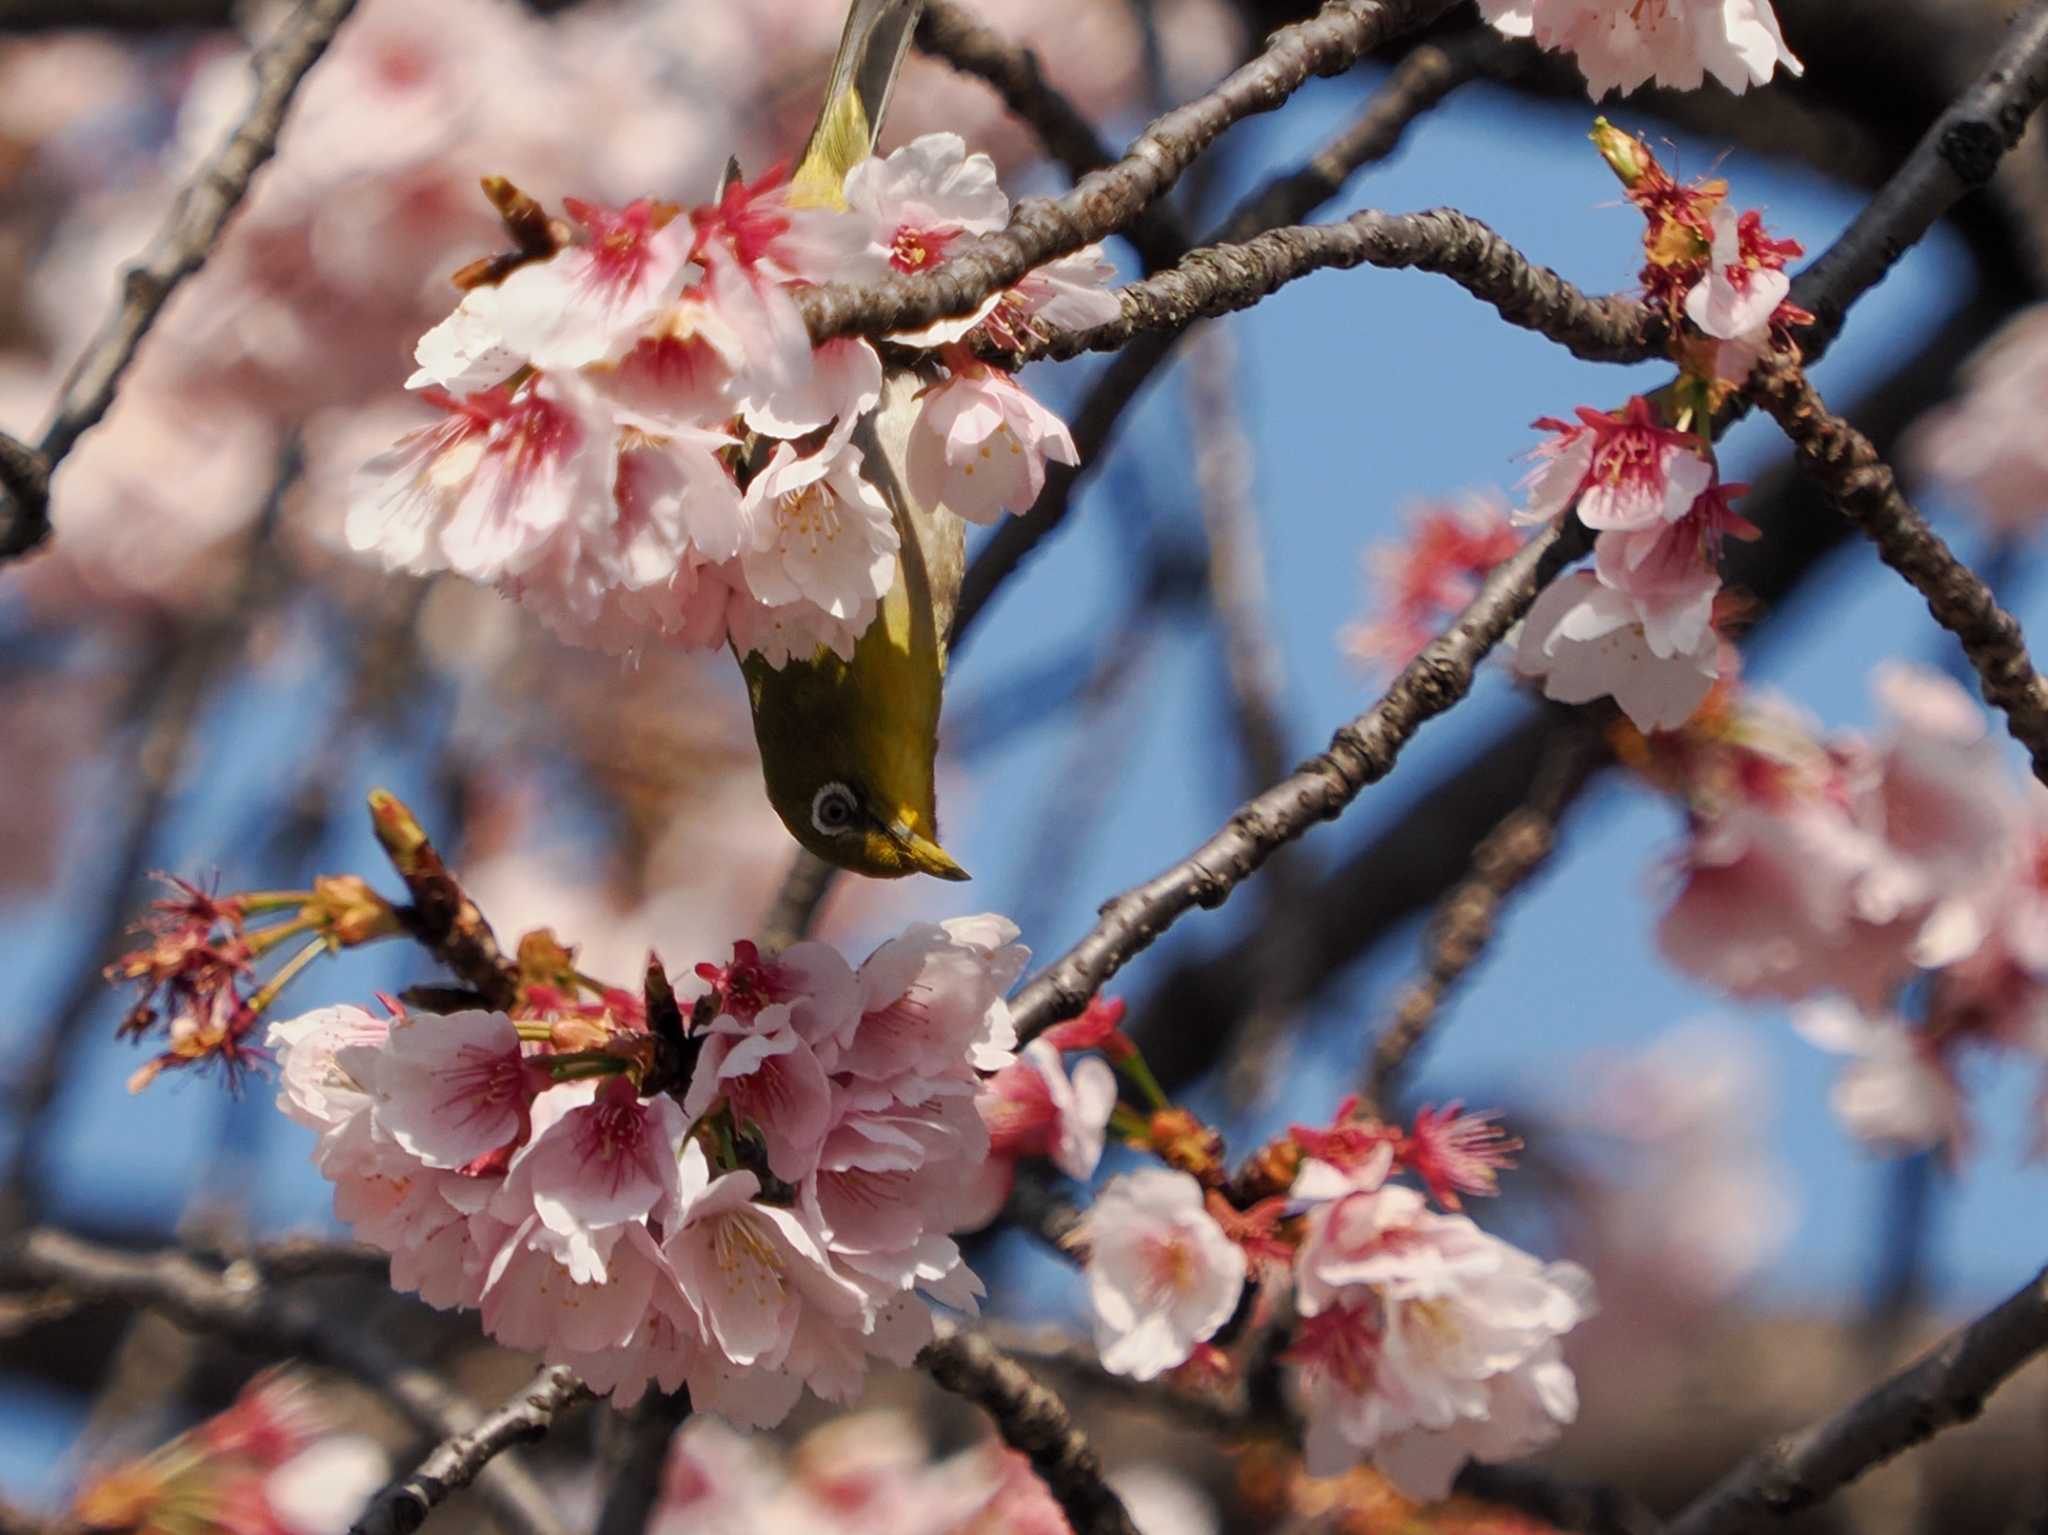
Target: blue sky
[1362,391]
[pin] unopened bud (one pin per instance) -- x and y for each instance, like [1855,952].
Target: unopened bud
[1626,155]
[346,911]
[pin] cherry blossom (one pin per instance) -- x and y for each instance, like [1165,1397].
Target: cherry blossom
[1034,1108]
[593,299]
[981,445]
[817,532]
[1623,44]
[1981,445]
[1162,1275]
[1586,640]
[1745,280]
[1424,1341]
[593,403]
[1625,472]
[1898,1090]
[1430,575]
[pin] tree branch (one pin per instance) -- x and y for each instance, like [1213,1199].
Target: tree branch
[1361,753]
[1108,200]
[1957,155]
[238,1304]
[113,15]
[525,1416]
[632,1476]
[1220,279]
[1033,1421]
[1419,83]
[1862,487]
[952,33]
[1945,1388]
[181,246]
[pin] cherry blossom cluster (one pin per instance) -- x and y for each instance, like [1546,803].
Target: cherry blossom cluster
[1867,880]
[1423,580]
[875,1470]
[1640,626]
[1620,45]
[1986,444]
[1421,1341]
[640,443]
[269,1464]
[195,975]
[766,1227]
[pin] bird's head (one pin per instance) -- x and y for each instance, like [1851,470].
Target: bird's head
[848,756]
[848,821]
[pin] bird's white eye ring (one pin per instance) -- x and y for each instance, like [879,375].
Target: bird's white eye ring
[834,810]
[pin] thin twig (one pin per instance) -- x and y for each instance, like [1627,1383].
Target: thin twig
[442,917]
[1865,490]
[1463,923]
[523,1417]
[1033,1421]
[1361,753]
[1252,674]
[1220,279]
[1108,200]
[797,900]
[1422,80]
[1946,1387]
[239,1305]
[188,236]
[952,33]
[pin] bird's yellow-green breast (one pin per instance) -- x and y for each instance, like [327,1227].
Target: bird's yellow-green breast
[849,748]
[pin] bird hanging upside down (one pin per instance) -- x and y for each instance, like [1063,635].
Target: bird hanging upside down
[849,748]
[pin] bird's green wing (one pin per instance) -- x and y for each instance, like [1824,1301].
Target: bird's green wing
[864,73]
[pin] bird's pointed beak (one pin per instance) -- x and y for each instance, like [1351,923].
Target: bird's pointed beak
[925,855]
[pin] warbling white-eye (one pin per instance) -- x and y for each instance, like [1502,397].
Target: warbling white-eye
[848,749]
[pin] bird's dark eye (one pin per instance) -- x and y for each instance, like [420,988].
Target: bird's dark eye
[834,809]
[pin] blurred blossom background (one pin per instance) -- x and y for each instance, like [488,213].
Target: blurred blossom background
[196,676]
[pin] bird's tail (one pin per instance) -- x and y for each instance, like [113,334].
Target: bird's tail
[871,52]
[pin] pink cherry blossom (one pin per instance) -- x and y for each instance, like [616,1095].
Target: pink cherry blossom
[1898,1091]
[604,1164]
[1425,1342]
[1162,1276]
[1745,281]
[1033,1108]
[448,1089]
[1429,575]
[1623,44]
[592,301]
[1071,292]
[750,1268]
[1625,472]
[932,1001]
[771,1078]
[906,212]
[1982,444]
[981,445]
[313,1088]
[817,532]
[1585,641]
[1455,1153]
